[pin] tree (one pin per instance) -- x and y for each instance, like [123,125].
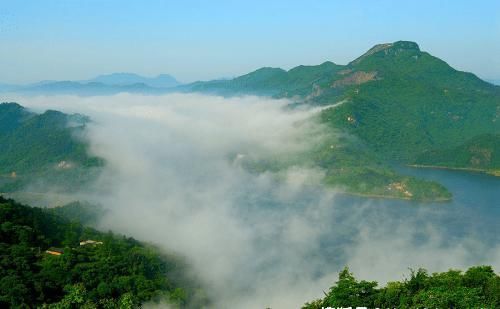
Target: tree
[350,293]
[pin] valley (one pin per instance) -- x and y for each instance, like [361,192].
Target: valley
[387,162]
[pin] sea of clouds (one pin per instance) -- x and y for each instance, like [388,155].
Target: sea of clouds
[173,177]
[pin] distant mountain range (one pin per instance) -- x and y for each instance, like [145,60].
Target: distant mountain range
[100,85]
[124,79]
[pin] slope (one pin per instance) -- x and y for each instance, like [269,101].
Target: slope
[402,103]
[48,147]
[113,272]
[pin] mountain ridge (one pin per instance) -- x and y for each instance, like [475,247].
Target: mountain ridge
[126,78]
[105,84]
[46,147]
[402,103]
[392,89]
[399,105]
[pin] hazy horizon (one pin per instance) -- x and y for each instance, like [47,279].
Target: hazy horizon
[60,40]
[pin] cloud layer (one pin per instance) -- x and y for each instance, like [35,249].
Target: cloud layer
[173,178]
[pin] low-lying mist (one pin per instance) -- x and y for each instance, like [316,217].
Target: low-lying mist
[173,177]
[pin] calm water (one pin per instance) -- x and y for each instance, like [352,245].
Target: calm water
[471,220]
[473,212]
[475,207]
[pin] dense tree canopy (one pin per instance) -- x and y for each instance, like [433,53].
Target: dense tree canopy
[478,287]
[47,147]
[116,272]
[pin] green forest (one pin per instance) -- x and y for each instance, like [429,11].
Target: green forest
[478,287]
[45,148]
[403,105]
[481,153]
[44,264]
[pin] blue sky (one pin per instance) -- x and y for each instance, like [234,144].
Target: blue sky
[199,40]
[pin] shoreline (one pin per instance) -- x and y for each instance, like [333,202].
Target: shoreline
[381,196]
[495,173]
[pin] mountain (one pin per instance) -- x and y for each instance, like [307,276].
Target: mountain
[8,87]
[400,101]
[47,146]
[403,102]
[395,104]
[85,89]
[123,79]
[46,258]
[101,85]
[277,82]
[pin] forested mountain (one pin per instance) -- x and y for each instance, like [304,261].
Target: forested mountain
[404,101]
[400,100]
[404,105]
[393,105]
[478,287]
[47,258]
[47,146]
[301,81]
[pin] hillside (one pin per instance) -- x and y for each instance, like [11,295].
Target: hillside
[402,103]
[46,146]
[299,81]
[413,102]
[42,262]
[482,153]
[478,287]
[398,99]
[354,168]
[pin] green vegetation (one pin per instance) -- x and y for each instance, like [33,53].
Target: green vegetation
[298,81]
[85,213]
[478,287]
[481,153]
[415,103]
[354,168]
[404,105]
[120,272]
[351,165]
[48,147]
[397,105]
